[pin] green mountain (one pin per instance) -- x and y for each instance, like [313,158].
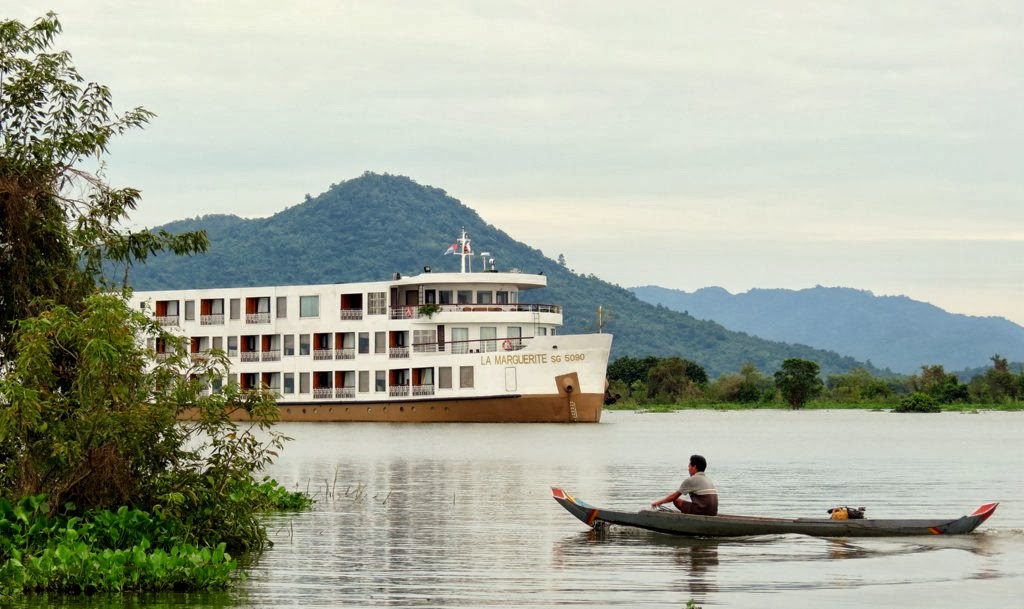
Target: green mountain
[368,228]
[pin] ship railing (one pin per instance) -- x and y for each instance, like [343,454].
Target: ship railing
[351,314]
[167,320]
[412,311]
[162,355]
[211,320]
[257,318]
[345,392]
[397,391]
[199,356]
[323,393]
[346,353]
[423,390]
[271,355]
[323,353]
[398,352]
[485,345]
[250,356]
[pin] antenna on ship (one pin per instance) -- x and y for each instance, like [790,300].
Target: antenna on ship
[464,250]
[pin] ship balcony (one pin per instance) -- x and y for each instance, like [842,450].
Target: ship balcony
[250,356]
[162,356]
[398,391]
[323,393]
[199,356]
[257,318]
[323,353]
[345,392]
[412,311]
[348,353]
[167,320]
[423,390]
[211,320]
[398,352]
[271,355]
[351,314]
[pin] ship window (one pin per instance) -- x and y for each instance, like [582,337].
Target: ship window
[190,310]
[236,308]
[444,297]
[282,307]
[502,297]
[484,297]
[380,342]
[376,303]
[232,346]
[309,306]
[289,382]
[488,338]
[460,340]
[424,341]
[218,343]
[289,344]
[444,377]
[364,342]
[466,377]
[364,381]
[303,382]
[304,344]
[380,381]
[464,296]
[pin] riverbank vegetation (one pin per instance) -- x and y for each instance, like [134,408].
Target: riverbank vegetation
[661,384]
[101,487]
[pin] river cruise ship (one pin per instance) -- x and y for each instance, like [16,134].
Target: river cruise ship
[461,346]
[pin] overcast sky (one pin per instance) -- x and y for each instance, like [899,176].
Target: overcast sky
[752,144]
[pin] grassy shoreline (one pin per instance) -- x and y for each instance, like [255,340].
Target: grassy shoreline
[812,405]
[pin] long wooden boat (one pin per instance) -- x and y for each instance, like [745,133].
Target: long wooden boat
[437,346]
[674,523]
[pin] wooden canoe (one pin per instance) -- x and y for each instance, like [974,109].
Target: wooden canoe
[674,523]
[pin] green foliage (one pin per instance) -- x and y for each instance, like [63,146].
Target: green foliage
[943,387]
[917,402]
[798,381]
[857,386]
[674,378]
[428,309]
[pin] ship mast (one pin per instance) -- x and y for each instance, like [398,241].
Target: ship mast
[465,250]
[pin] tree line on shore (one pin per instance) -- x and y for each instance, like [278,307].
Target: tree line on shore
[646,381]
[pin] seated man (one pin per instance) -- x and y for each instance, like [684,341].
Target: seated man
[703,496]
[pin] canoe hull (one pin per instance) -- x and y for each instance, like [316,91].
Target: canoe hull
[674,523]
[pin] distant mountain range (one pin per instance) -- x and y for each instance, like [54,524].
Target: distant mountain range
[370,227]
[893,332]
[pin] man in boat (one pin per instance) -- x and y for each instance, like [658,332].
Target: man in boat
[700,488]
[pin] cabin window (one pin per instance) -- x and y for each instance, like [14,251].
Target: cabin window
[501,297]
[377,303]
[309,306]
[232,346]
[380,342]
[303,382]
[217,384]
[488,338]
[444,377]
[444,297]
[236,308]
[282,307]
[484,297]
[460,340]
[289,382]
[466,377]
[424,341]
[464,296]
[190,310]
[364,342]
[542,331]
[289,344]
[304,344]
[218,343]
[364,381]
[380,381]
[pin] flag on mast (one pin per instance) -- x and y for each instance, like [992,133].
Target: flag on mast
[452,249]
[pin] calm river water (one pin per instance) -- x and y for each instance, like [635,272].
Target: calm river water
[461,515]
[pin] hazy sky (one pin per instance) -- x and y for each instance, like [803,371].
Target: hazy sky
[875,145]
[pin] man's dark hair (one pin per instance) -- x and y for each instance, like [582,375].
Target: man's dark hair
[699,462]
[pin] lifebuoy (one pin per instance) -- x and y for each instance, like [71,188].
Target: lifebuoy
[506,345]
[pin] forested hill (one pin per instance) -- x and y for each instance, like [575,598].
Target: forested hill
[892,332]
[368,228]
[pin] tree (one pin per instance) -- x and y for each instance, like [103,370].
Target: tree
[942,386]
[59,223]
[798,381]
[673,378]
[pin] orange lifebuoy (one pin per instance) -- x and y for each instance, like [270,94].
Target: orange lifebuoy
[506,345]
